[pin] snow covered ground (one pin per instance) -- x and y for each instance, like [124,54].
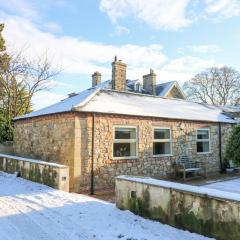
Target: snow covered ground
[32,211]
[227,186]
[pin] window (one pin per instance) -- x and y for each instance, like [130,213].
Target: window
[138,87]
[203,141]
[125,142]
[162,142]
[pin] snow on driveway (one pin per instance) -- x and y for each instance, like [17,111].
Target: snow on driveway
[227,186]
[33,211]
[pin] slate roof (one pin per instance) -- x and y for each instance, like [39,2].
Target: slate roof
[161,89]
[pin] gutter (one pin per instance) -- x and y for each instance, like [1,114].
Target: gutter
[220,147]
[92,162]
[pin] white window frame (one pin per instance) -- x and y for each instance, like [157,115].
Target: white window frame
[204,140]
[163,140]
[125,141]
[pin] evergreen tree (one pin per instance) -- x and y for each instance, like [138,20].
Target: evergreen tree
[12,94]
[233,146]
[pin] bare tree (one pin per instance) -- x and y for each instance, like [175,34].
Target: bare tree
[19,82]
[22,80]
[217,86]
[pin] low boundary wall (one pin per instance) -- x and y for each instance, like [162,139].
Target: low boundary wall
[6,147]
[209,212]
[50,174]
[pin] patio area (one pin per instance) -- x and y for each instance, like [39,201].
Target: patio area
[232,185]
[223,182]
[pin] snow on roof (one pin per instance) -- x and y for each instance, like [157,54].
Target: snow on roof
[65,105]
[115,102]
[230,109]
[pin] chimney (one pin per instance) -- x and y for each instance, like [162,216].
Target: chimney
[149,82]
[72,94]
[96,79]
[118,75]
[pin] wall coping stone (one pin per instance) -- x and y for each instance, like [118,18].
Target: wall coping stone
[33,161]
[196,190]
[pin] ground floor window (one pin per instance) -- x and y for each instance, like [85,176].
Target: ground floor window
[162,142]
[203,141]
[125,142]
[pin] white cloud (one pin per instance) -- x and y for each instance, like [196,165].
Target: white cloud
[205,48]
[188,64]
[159,14]
[170,14]
[223,8]
[120,30]
[77,55]
[45,98]
[20,7]
[53,27]
[201,49]
[184,68]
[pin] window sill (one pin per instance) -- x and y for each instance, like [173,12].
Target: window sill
[125,158]
[163,155]
[203,153]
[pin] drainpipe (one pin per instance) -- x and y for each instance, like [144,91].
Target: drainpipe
[220,146]
[92,163]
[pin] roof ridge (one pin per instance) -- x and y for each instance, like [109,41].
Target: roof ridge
[147,95]
[88,98]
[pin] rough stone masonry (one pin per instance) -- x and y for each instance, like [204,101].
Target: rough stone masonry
[67,139]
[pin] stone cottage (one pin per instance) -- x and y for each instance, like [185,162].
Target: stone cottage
[123,127]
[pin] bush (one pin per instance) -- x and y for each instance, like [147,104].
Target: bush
[233,146]
[6,130]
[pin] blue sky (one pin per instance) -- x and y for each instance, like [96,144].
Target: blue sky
[177,38]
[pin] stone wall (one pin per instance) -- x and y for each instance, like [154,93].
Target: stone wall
[49,138]
[6,147]
[184,142]
[197,209]
[50,174]
[67,139]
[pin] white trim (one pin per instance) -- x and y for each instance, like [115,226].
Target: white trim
[175,84]
[125,141]
[162,140]
[204,140]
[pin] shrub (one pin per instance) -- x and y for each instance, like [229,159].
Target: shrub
[233,146]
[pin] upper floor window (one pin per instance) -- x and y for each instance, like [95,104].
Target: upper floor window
[203,141]
[125,142]
[162,142]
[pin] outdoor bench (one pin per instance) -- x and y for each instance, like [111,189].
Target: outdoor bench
[188,166]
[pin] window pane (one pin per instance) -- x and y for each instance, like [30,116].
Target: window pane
[125,133]
[202,147]
[202,134]
[124,149]
[161,133]
[161,148]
